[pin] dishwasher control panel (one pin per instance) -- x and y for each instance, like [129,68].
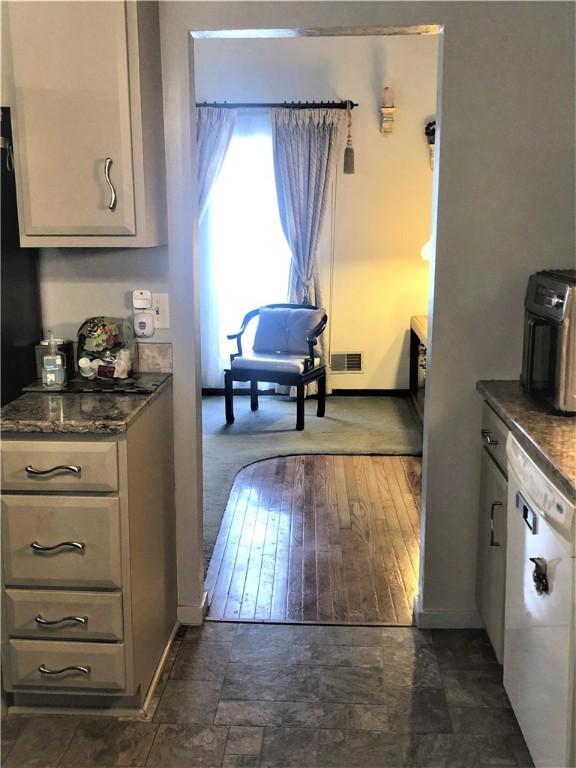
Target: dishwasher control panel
[540,494]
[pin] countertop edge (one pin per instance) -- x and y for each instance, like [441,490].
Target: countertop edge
[548,466]
[99,427]
[147,402]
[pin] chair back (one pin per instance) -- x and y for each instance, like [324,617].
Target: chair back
[286,328]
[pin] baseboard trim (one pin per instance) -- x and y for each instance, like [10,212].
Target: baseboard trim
[371,392]
[426,619]
[245,392]
[238,392]
[193,615]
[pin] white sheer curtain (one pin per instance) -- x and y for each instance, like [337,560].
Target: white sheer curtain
[214,127]
[245,259]
[307,144]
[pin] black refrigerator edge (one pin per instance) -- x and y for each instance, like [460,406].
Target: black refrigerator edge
[21,312]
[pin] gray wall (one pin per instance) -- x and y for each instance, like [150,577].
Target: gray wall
[76,283]
[505,202]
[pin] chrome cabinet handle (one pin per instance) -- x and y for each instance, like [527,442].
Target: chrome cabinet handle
[73,468]
[493,542]
[52,623]
[113,199]
[488,438]
[43,669]
[61,545]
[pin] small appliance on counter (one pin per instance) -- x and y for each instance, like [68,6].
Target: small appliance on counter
[106,348]
[549,358]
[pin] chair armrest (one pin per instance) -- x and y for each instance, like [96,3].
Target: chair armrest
[312,338]
[238,335]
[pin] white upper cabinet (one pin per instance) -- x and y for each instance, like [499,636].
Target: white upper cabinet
[87,122]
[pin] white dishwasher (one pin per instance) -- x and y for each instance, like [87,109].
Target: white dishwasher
[540,614]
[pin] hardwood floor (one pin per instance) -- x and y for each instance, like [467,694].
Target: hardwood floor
[320,539]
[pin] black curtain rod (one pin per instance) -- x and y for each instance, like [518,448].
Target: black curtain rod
[283,104]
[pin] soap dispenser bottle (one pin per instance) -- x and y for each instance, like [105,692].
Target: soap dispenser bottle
[53,365]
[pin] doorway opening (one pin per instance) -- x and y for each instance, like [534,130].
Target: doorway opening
[375,281]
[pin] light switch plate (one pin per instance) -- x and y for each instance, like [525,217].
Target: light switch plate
[161,309]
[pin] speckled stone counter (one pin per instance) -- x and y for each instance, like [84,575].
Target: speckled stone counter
[549,439]
[76,413]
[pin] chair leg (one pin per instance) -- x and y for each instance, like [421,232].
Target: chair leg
[254,395]
[229,397]
[300,407]
[321,395]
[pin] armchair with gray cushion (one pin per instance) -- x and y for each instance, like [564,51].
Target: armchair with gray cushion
[284,352]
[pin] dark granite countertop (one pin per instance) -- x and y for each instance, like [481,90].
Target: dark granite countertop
[77,413]
[548,438]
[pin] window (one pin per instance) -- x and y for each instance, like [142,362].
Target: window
[245,256]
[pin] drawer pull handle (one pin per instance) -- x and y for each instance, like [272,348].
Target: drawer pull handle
[113,199]
[63,544]
[75,470]
[52,623]
[43,669]
[488,438]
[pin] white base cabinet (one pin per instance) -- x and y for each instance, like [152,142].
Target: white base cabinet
[89,598]
[491,581]
[87,123]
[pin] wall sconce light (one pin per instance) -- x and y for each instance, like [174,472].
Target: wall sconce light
[387,111]
[430,132]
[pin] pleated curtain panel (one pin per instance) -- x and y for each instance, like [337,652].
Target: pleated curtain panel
[214,129]
[306,144]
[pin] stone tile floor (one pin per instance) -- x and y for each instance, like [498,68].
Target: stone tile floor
[275,696]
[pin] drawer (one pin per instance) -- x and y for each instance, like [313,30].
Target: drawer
[87,527]
[494,434]
[103,663]
[63,466]
[70,615]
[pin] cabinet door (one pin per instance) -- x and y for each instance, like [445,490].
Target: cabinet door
[71,113]
[492,552]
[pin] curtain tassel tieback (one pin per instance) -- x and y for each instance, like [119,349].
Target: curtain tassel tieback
[349,151]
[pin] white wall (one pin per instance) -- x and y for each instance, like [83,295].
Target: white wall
[383,211]
[505,202]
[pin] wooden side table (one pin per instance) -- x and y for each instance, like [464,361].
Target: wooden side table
[418,336]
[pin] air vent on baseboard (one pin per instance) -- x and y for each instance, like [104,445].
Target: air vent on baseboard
[346,362]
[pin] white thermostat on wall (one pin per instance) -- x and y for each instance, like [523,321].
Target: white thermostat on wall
[141,299]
